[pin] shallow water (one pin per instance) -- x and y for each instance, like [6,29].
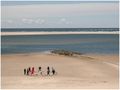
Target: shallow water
[87,43]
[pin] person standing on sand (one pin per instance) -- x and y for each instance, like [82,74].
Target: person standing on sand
[29,71]
[33,71]
[48,70]
[25,72]
[39,70]
[53,71]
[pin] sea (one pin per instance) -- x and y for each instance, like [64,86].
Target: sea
[83,43]
[58,29]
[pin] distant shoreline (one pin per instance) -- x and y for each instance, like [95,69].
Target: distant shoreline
[54,33]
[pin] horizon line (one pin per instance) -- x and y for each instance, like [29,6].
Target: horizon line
[58,28]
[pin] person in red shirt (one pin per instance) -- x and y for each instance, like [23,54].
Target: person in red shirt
[32,71]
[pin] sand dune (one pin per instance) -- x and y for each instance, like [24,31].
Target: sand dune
[80,72]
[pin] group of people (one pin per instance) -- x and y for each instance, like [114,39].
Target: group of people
[31,71]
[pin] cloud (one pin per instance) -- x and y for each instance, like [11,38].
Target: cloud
[35,21]
[9,21]
[42,21]
[65,21]
[39,21]
[28,21]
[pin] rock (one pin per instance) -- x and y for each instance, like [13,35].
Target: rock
[65,52]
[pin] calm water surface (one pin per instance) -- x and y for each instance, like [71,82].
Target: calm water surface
[87,43]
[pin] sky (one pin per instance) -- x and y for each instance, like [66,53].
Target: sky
[37,14]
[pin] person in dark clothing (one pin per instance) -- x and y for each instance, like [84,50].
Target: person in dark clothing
[53,71]
[39,70]
[48,70]
[25,72]
[28,71]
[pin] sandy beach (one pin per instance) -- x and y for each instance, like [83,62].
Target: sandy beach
[78,72]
